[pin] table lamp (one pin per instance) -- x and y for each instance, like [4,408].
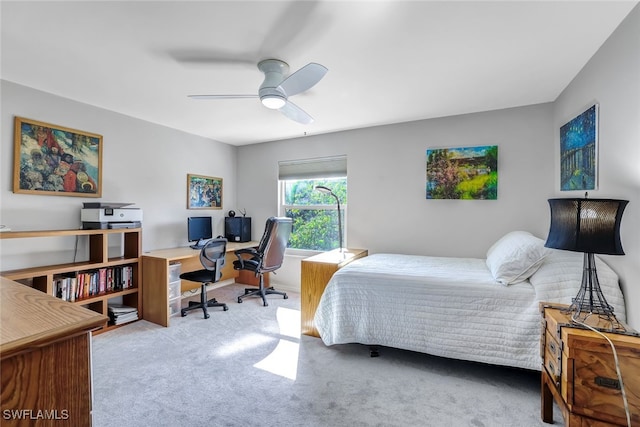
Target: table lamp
[591,226]
[326,190]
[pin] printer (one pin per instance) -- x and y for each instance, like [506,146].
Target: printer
[104,215]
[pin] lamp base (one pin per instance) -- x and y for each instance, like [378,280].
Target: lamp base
[590,300]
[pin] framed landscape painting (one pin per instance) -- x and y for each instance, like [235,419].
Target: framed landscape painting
[469,173]
[55,160]
[204,192]
[579,151]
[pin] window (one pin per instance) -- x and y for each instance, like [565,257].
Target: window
[314,214]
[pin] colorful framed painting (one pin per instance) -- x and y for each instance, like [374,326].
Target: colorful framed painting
[469,173]
[204,192]
[579,152]
[55,160]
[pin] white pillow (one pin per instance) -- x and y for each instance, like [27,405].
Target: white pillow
[515,257]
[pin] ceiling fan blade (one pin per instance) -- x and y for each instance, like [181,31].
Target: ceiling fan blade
[303,79]
[221,96]
[296,113]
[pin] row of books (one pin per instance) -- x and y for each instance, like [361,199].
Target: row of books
[119,314]
[101,281]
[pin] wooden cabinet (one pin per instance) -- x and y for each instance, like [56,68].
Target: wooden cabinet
[127,243]
[45,351]
[579,372]
[316,271]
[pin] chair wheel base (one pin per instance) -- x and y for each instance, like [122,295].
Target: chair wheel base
[203,304]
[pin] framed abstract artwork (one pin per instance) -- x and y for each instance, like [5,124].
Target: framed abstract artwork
[204,192]
[579,152]
[55,160]
[469,173]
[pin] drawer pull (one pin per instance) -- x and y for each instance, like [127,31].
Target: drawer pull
[551,368]
[608,382]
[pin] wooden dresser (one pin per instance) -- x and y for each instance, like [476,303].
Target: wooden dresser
[45,352]
[579,372]
[316,271]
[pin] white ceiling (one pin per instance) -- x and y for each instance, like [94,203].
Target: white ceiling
[388,61]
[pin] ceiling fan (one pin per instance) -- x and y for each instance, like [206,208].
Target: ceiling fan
[277,87]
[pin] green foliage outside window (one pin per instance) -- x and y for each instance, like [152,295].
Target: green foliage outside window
[314,214]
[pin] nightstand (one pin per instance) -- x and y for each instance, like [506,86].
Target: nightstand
[579,372]
[316,271]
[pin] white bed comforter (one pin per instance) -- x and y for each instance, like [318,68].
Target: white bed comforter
[450,307]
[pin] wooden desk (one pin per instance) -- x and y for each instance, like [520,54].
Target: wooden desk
[156,277]
[579,372]
[316,271]
[45,351]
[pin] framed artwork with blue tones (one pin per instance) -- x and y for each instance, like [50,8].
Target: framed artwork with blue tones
[469,173]
[204,192]
[579,152]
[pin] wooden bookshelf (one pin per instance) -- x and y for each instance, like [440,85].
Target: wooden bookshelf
[43,278]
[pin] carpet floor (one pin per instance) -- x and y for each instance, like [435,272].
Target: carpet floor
[250,366]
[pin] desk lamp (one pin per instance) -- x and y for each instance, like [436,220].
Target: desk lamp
[326,190]
[591,226]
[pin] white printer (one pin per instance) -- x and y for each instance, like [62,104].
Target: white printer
[103,215]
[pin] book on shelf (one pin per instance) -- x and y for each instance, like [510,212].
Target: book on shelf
[102,281]
[91,283]
[120,313]
[121,308]
[65,288]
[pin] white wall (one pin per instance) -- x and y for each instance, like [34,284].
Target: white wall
[612,79]
[387,208]
[143,163]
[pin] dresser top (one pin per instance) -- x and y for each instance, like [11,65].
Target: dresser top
[30,318]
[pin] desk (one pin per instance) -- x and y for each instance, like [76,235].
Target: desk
[45,351]
[155,276]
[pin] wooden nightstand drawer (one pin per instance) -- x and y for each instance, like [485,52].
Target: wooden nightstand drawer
[595,386]
[552,357]
[580,372]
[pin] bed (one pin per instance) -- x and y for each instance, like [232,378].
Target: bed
[482,310]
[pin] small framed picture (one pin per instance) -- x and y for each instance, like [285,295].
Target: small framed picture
[204,192]
[56,161]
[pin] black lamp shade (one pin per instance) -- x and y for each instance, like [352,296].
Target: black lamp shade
[586,225]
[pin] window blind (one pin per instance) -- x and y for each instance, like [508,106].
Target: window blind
[324,167]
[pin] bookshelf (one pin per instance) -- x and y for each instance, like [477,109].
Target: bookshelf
[46,278]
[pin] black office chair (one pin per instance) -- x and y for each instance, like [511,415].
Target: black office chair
[212,259]
[266,257]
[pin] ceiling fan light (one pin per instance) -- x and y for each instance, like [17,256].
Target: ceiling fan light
[273,102]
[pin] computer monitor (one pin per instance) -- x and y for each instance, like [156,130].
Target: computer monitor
[199,230]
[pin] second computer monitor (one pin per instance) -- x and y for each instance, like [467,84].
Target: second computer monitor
[199,230]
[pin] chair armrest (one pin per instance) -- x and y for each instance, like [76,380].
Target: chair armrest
[246,251]
[251,251]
